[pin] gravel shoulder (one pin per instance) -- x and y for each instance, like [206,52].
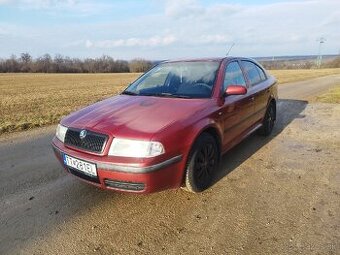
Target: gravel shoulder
[275,195]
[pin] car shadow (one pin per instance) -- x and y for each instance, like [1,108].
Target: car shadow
[287,111]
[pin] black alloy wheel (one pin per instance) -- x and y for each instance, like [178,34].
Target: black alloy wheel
[268,121]
[202,164]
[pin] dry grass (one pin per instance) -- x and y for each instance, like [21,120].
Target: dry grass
[284,76]
[331,96]
[33,100]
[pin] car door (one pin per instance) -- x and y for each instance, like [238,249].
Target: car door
[237,109]
[258,87]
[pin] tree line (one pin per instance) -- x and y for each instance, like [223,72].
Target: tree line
[299,64]
[61,64]
[106,64]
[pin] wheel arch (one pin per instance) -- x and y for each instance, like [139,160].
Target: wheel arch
[211,129]
[205,127]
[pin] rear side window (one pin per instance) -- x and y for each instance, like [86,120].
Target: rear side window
[262,74]
[252,72]
[233,75]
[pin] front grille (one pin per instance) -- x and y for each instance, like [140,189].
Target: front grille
[132,186]
[92,142]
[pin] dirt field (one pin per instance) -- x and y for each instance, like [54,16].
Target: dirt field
[274,195]
[34,100]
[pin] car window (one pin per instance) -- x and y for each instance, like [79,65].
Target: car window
[251,71]
[233,75]
[261,72]
[158,78]
[189,79]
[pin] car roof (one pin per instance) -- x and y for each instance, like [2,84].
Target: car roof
[199,59]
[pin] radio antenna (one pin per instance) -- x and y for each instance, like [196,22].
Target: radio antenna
[231,46]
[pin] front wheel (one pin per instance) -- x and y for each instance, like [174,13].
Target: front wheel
[202,164]
[268,121]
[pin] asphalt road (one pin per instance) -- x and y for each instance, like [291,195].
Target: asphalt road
[276,195]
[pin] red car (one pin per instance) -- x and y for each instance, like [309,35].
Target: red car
[169,128]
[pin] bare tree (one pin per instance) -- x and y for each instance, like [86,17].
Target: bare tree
[12,65]
[62,64]
[139,65]
[26,62]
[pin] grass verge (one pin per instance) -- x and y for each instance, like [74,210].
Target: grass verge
[284,76]
[331,96]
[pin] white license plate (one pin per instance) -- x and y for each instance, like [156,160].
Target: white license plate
[80,165]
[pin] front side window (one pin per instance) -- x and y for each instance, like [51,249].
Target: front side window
[177,79]
[251,71]
[233,75]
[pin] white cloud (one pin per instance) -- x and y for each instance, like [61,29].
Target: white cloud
[3,31]
[193,9]
[73,7]
[286,27]
[214,39]
[180,28]
[40,4]
[153,41]
[88,44]
[183,8]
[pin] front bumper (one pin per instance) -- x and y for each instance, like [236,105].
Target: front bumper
[134,177]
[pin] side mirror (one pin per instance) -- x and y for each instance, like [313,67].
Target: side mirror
[235,90]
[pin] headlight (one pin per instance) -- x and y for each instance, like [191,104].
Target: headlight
[61,132]
[135,148]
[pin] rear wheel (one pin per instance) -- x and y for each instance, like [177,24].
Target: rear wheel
[268,121]
[202,164]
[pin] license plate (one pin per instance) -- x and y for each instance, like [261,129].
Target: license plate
[82,166]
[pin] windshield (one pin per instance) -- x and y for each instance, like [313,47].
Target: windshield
[177,79]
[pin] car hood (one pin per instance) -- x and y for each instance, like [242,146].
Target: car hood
[134,116]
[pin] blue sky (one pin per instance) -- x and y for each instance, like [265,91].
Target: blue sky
[168,29]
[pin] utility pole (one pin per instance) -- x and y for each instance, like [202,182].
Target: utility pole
[321,40]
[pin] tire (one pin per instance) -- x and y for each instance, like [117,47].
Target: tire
[268,121]
[202,164]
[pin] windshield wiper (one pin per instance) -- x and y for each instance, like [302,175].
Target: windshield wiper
[165,94]
[129,93]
